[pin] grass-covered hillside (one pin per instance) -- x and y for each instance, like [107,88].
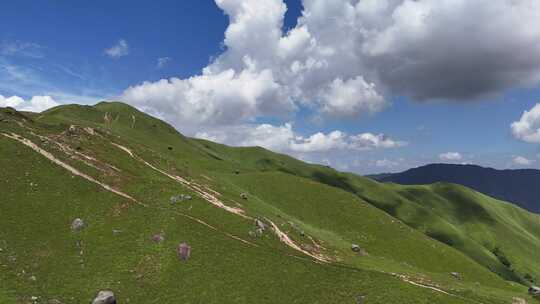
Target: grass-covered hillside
[263,227]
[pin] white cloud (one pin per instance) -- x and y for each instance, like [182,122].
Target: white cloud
[451,156]
[386,163]
[35,104]
[284,139]
[522,161]
[344,58]
[163,61]
[12,101]
[282,71]
[224,98]
[352,97]
[321,142]
[121,48]
[528,127]
[367,141]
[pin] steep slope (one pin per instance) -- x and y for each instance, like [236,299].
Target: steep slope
[516,186]
[117,168]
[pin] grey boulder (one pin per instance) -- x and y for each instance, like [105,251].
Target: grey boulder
[105,297]
[77,225]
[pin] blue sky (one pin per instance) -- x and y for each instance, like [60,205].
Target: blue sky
[453,104]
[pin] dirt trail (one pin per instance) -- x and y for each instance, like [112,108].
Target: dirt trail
[211,196]
[207,194]
[74,171]
[407,279]
[60,163]
[284,238]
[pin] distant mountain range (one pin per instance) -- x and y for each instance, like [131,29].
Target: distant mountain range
[521,187]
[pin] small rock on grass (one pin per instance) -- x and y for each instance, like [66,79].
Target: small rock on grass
[105,297]
[184,252]
[158,238]
[77,225]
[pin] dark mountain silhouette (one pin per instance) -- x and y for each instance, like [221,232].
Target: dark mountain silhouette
[521,187]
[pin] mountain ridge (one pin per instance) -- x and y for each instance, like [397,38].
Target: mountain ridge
[518,186]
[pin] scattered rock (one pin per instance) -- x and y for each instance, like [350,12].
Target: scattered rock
[184,251]
[105,297]
[116,231]
[356,248]
[33,278]
[456,275]
[260,224]
[34,298]
[534,291]
[180,198]
[360,299]
[72,129]
[90,131]
[77,225]
[517,300]
[244,196]
[158,238]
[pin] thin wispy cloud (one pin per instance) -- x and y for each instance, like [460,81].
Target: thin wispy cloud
[120,49]
[19,48]
[162,62]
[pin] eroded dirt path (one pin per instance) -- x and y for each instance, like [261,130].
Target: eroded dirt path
[71,169]
[284,238]
[207,194]
[211,196]
[409,280]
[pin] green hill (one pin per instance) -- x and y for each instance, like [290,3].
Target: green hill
[117,169]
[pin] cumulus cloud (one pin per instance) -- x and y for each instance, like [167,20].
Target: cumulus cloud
[522,161]
[457,49]
[223,98]
[348,98]
[121,48]
[527,128]
[35,104]
[451,156]
[346,58]
[283,72]
[284,139]
[12,101]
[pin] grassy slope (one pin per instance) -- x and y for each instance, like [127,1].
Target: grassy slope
[467,220]
[221,268]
